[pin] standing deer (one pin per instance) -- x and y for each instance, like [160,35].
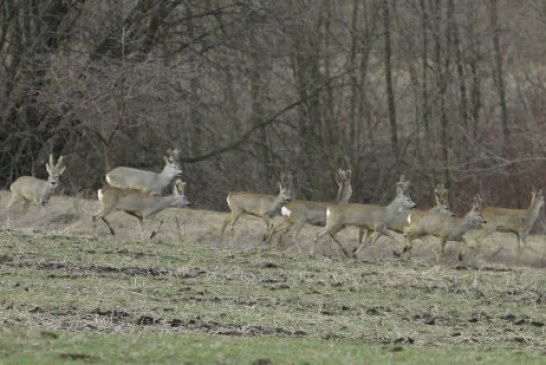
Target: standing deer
[30,189]
[366,217]
[441,198]
[446,227]
[148,182]
[517,221]
[298,212]
[259,205]
[138,204]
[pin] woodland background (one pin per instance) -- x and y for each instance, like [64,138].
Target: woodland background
[440,90]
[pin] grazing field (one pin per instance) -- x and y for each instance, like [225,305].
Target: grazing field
[192,297]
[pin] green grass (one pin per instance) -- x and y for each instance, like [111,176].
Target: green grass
[35,347]
[67,299]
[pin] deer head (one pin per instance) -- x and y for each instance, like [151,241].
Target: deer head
[54,170]
[285,187]
[172,162]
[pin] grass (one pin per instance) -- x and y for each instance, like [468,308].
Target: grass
[72,298]
[35,347]
[192,297]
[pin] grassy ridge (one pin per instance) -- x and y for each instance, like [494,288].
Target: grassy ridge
[122,301]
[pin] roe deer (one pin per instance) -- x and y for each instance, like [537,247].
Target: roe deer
[30,189]
[441,198]
[298,212]
[260,205]
[138,204]
[366,216]
[148,182]
[517,221]
[446,227]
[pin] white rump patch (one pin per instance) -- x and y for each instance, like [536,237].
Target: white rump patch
[108,179]
[286,212]
[99,194]
[328,212]
[227,199]
[409,218]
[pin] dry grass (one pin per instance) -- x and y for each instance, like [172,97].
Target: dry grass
[72,217]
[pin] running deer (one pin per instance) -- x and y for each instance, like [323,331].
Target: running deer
[445,227]
[29,189]
[138,204]
[517,221]
[298,212]
[441,198]
[366,217]
[148,182]
[259,205]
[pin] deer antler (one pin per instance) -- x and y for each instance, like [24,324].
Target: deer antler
[342,176]
[179,187]
[53,167]
[403,184]
[478,201]
[286,179]
[174,154]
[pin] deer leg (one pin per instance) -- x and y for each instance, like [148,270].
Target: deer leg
[109,226]
[231,219]
[296,228]
[103,211]
[521,241]
[154,232]
[281,227]
[331,231]
[268,227]
[408,247]
[362,237]
[226,222]
[463,249]
[141,226]
[287,227]
[442,250]
[345,253]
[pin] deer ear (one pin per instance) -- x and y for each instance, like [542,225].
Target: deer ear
[62,170]
[166,159]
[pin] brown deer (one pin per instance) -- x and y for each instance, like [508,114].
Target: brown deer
[146,181]
[366,217]
[445,227]
[259,205]
[517,221]
[441,198]
[298,212]
[29,189]
[138,204]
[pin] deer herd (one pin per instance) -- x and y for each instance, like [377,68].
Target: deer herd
[140,193]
